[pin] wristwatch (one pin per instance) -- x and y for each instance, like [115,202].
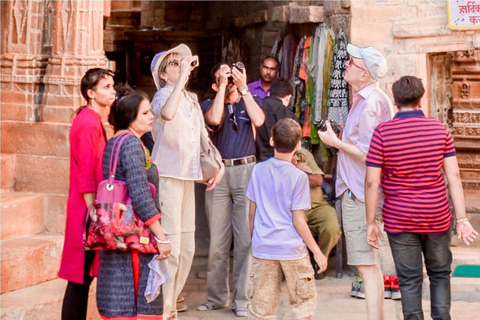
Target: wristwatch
[244,92]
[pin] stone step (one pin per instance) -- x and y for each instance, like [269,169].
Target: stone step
[22,214]
[41,174]
[30,260]
[8,171]
[35,138]
[41,302]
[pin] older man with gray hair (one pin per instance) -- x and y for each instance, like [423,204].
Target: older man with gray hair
[370,107]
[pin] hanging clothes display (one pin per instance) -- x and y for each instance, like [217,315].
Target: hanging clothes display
[337,108]
[286,56]
[316,66]
[321,63]
[303,74]
[298,84]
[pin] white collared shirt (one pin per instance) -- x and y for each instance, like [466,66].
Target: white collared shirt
[177,142]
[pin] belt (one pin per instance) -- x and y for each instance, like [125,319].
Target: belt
[238,161]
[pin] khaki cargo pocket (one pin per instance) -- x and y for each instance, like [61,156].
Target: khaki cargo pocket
[305,286]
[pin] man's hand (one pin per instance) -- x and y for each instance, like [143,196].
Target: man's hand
[239,78]
[373,232]
[329,137]
[466,232]
[224,73]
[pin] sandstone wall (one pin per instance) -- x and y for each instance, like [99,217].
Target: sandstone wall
[407,32]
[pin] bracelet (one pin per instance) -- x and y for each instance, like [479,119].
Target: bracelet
[462,220]
[162,241]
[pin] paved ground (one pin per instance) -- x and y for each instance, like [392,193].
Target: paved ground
[334,301]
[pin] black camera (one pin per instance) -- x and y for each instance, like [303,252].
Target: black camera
[322,126]
[239,65]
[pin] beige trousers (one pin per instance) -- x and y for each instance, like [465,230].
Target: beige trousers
[177,205]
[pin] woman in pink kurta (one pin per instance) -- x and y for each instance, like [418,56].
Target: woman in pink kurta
[87,143]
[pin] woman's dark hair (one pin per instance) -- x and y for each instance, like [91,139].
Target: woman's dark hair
[125,109]
[91,78]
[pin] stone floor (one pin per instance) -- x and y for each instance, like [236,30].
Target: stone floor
[334,301]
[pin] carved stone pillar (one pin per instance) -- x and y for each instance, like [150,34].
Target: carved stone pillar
[77,45]
[25,49]
[466,115]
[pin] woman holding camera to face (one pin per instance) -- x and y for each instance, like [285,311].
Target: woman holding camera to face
[176,130]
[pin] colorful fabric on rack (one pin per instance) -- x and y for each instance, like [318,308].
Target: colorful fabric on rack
[304,75]
[322,57]
[314,138]
[337,108]
[297,81]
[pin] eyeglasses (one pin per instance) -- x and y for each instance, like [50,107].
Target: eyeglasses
[266,68]
[351,62]
[233,119]
[174,63]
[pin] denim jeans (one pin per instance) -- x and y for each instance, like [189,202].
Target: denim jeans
[407,249]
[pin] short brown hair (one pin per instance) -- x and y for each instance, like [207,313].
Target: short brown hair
[281,87]
[407,91]
[286,133]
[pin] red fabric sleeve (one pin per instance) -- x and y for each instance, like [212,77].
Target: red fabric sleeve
[153,219]
[87,141]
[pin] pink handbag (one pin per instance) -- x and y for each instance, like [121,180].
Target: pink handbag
[115,224]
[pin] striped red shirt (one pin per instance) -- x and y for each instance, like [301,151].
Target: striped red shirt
[410,150]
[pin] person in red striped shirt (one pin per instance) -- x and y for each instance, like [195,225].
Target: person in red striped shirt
[406,157]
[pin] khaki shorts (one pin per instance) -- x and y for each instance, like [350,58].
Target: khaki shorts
[359,252]
[264,288]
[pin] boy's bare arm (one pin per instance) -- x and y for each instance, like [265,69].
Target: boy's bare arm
[251,215]
[301,226]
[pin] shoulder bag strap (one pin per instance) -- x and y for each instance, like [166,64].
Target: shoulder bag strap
[114,157]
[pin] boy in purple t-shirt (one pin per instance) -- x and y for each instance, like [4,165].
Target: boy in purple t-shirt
[279,193]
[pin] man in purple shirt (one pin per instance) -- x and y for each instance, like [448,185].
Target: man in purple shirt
[370,107]
[268,72]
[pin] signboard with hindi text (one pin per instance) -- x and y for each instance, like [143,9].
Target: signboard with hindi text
[463,14]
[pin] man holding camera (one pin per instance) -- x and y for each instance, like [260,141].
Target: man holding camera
[268,72]
[370,107]
[234,114]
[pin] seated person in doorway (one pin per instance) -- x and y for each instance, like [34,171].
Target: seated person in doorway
[268,72]
[275,108]
[321,217]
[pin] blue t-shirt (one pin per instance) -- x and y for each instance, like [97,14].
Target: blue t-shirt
[230,143]
[277,187]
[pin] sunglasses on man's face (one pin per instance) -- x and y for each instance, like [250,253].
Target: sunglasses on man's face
[351,62]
